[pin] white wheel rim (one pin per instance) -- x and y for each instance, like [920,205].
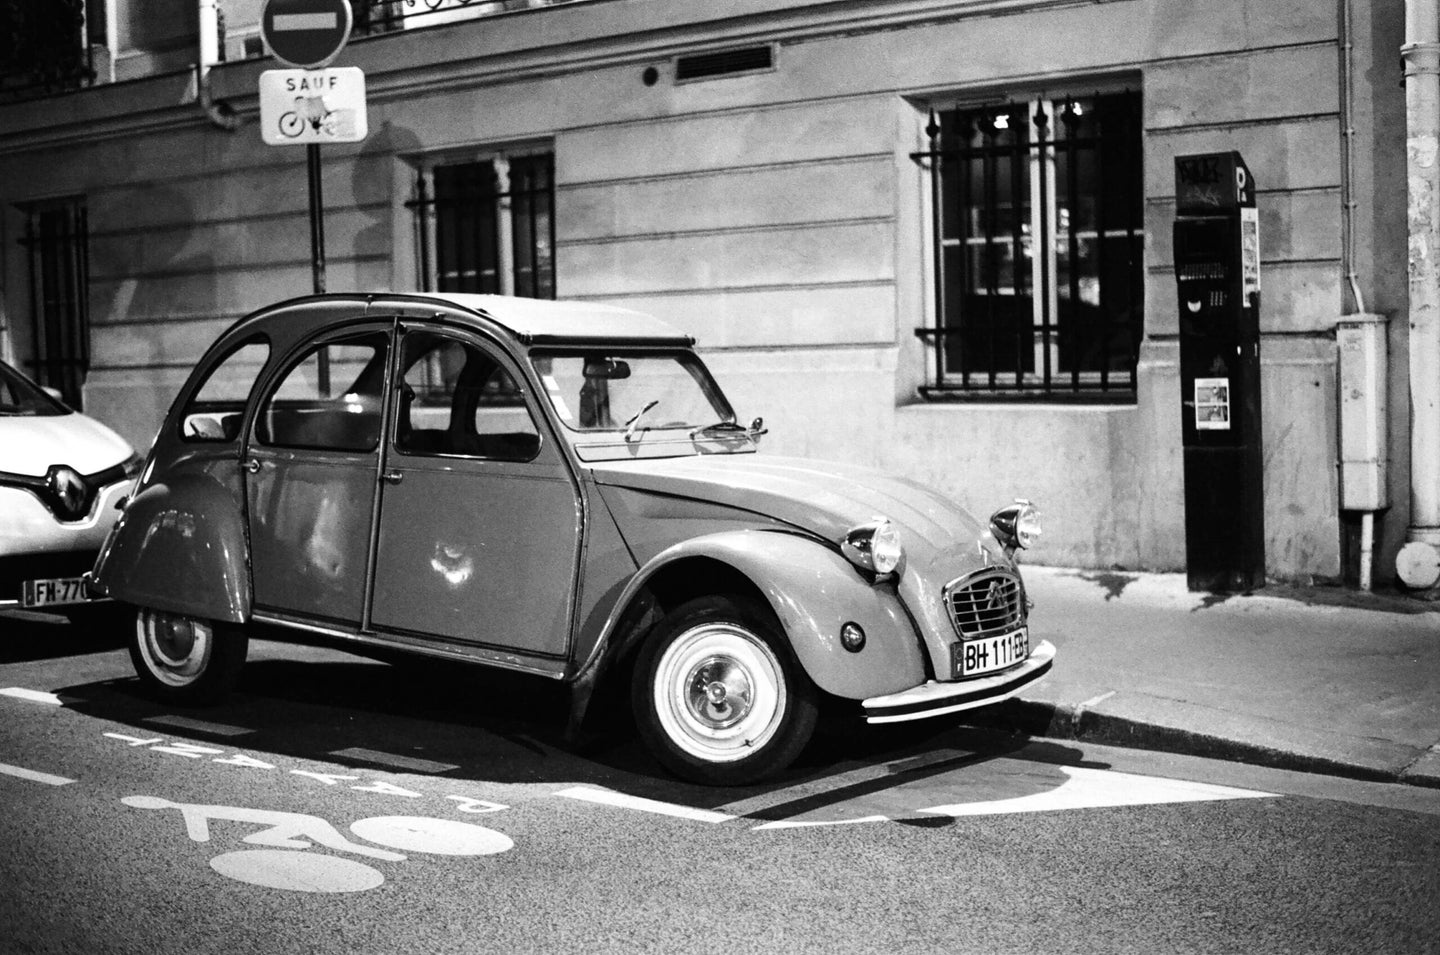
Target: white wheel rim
[719,692]
[175,648]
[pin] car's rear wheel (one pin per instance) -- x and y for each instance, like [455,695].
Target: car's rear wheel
[718,696]
[184,659]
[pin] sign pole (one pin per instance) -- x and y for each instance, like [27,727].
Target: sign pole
[317,217]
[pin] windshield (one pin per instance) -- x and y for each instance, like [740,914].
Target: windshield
[630,392]
[19,396]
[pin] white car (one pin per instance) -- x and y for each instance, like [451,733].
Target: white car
[62,476]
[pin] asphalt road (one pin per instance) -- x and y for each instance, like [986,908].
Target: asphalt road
[342,805]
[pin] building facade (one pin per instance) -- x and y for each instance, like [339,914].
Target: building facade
[932,236]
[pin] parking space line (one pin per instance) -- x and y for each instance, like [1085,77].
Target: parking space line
[394,760]
[787,824]
[199,726]
[30,774]
[823,790]
[606,797]
[34,696]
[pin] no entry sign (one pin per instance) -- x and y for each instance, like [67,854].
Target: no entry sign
[306,33]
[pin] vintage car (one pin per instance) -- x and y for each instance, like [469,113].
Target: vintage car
[61,474]
[562,489]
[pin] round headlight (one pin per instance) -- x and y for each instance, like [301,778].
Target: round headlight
[1016,525]
[874,546]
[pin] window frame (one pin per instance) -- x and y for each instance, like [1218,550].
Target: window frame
[511,273]
[1045,380]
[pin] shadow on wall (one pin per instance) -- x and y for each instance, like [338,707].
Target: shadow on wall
[373,183]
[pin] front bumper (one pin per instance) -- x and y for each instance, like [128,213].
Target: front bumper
[937,699]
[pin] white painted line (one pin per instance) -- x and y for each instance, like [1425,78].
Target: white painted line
[798,825]
[33,776]
[285,22]
[199,726]
[1096,701]
[395,760]
[867,773]
[34,696]
[607,798]
[1097,788]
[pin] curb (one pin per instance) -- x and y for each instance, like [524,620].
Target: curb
[1066,722]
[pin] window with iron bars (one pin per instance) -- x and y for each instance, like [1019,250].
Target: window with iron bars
[1038,247]
[55,239]
[488,225]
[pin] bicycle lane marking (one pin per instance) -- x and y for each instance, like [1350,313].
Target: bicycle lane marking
[19,772]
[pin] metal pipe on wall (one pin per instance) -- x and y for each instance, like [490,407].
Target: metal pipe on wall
[219,112]
[1418,562]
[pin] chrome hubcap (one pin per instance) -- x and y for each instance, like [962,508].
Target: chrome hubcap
[175,647]
[719,692]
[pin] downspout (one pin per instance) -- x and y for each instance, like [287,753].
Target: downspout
[220,113]
[1362,345]
[1418,562]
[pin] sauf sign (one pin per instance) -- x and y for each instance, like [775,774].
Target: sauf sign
[313,104]
[301,107]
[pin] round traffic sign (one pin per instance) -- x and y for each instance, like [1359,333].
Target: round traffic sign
[306,33]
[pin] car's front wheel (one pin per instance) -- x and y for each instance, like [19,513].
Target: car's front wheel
[718,696]
[184,659]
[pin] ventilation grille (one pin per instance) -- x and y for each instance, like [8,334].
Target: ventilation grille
[699,66]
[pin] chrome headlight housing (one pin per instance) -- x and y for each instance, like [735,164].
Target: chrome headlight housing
[1016,525]
[874,546]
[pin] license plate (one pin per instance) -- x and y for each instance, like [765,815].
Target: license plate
[989,654]
[54,591]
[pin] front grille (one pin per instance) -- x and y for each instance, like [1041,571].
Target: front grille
[986,602]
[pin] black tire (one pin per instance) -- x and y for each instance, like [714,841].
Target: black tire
[717,694]
[186,660]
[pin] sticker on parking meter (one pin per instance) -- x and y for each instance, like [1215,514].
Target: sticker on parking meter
[1249,253]
[1212,404]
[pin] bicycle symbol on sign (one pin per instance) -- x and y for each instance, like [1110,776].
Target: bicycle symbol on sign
[311,111]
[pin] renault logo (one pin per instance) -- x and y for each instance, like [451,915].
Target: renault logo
[69,494]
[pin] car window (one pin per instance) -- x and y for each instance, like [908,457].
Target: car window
[329,398]
[458,399]
[19,396]
[605,391]
[215,410]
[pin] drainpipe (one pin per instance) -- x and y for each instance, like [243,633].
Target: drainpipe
[220,113]
[1362,344]
[1418,562]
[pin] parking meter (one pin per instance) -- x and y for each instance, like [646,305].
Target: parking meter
[1217,276]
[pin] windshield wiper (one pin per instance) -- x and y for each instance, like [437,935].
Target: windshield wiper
[630,425]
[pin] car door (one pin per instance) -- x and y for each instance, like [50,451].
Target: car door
[480,516]
[312,464]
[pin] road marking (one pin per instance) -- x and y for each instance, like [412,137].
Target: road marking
[607,798]
[34,696]
[799,825]
[825,790]
[1095,789]
[392,759]
[33,776]
[199,726]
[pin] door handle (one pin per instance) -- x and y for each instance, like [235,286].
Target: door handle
[392,477]
[252,465]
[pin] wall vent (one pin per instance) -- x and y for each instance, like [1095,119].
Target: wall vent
[700,66]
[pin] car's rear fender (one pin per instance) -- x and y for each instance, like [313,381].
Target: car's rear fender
[812,590]
[180,545]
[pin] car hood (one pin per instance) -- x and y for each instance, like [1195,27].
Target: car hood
[824,498]
[29,445]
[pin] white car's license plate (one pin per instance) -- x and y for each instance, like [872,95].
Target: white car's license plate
[54,591]
[987,654]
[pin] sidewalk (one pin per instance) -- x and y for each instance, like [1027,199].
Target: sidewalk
[1320,679]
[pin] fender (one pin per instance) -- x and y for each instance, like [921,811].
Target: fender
[180,546]
[813,592]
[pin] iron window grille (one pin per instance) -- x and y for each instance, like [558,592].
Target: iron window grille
[56,241]
[488,226]
[1038,230]
[374,17]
